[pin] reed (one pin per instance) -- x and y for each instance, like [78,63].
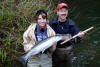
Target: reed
[15,17]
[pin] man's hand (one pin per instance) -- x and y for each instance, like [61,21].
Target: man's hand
[81,34]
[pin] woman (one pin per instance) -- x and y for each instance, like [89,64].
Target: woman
[35,33]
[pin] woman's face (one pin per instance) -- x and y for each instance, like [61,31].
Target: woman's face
[41,21]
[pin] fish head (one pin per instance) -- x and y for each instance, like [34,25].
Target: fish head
[66,37]
[63,36]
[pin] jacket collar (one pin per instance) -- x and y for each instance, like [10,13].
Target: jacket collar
[39,29]
[68,21]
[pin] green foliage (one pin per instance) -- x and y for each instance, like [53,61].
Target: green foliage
[3,55]
[6,16]
[15,17]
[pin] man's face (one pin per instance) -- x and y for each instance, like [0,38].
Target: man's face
[62,13]
[41,21]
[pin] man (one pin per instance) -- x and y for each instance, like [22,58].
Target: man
[63,25]
[36,32]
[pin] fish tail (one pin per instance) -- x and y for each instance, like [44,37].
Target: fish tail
[23,61]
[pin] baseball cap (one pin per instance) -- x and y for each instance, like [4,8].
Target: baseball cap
[61,5]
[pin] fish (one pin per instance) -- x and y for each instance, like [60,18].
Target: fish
[42,46]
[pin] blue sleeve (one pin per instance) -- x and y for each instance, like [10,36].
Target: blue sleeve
[73,26]
[76,30]
[77,39]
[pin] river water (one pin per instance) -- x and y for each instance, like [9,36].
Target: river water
[86,14]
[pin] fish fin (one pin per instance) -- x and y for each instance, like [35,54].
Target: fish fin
[43,51]
[23,61]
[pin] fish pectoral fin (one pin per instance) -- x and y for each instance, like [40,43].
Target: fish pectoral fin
[43,51]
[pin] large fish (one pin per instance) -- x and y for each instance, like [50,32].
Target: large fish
[42,46]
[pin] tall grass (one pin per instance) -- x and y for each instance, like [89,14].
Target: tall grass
[15,17]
